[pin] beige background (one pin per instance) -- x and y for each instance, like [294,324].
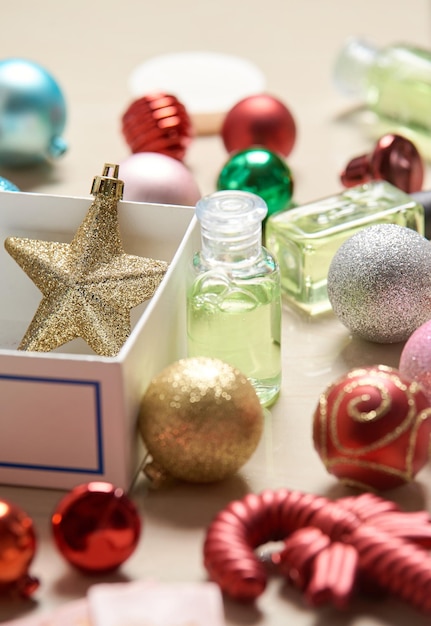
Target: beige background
[91,47]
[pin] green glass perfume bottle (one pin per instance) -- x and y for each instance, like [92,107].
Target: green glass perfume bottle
[395,83]
[234,295]
[304,239]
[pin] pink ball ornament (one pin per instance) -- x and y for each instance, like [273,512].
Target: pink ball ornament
[154,177]
[415,360]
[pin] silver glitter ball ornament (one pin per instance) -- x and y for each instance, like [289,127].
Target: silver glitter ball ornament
[379,283]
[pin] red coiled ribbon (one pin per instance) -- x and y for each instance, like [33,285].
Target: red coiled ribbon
[330,547]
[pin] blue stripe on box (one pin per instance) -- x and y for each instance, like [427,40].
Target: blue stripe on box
[98,423]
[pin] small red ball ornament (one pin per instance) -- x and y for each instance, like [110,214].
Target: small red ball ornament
[158,122]
[17,550]
[259,120]
[372,428]
[96,527]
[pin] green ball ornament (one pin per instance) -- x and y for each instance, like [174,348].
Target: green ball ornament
[262,172]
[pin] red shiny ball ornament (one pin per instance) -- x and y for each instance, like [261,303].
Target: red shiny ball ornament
[96,527]
[259,120]
[372,428]
[158,123]
[17,549]
[394,159]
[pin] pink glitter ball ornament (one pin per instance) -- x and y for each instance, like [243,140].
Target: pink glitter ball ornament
[415,360]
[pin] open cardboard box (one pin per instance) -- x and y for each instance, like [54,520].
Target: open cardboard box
[69,416]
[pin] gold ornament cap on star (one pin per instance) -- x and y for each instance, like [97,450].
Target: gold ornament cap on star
[200,420]
[90,285]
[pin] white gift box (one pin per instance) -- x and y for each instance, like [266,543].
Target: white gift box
[69,416]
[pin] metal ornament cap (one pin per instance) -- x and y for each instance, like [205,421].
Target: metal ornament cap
[394,159]
[96,527]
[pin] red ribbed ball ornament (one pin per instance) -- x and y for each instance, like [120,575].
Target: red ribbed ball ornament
[259,120]
[158,122]
[96,527]
[372,428]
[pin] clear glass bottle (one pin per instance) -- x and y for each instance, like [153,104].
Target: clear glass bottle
[234,295]
[395,80]
[304,239]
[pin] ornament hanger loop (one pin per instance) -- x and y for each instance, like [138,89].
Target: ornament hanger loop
[108,184]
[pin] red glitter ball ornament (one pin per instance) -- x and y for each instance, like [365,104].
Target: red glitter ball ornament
[372,428]
[96,527]
[259,120]
[17,550]
[158,123]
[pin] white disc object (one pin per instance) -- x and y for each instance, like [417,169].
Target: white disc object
[208,84]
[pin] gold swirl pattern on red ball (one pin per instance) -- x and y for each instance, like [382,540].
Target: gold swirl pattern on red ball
[373,419]
[330,547]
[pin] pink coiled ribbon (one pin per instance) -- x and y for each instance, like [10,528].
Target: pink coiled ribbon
[330,547]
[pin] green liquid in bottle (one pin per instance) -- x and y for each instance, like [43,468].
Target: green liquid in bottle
[234,292]
[238,322]
[304,240]
[399,86]
[395,83]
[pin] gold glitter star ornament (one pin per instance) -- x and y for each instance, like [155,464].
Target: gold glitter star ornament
[90,285]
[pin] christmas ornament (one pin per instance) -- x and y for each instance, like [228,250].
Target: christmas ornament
[158,122]
[89,285]
[394,158]
[330,548]
[32,114]
[415,360]
[379,282]
[6,185]
[200,420]
[96,527]
[259,120]
[259,171]
[17,550]
[372,428]
[208,83]
[153,177]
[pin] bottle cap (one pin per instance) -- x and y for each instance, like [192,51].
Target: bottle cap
[352,65]
[231,224]
[231,212]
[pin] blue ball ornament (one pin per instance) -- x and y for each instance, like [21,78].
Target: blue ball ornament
[32,114]
[6,185]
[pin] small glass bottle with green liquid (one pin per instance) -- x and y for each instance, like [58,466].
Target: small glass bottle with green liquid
[234,297]
[394,82]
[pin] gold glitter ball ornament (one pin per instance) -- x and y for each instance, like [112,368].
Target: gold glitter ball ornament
[200,420]
[90,285]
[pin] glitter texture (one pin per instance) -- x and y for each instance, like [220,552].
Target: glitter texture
[89,285]
[200,419]
[415,360]
[372,428]
[379,283]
